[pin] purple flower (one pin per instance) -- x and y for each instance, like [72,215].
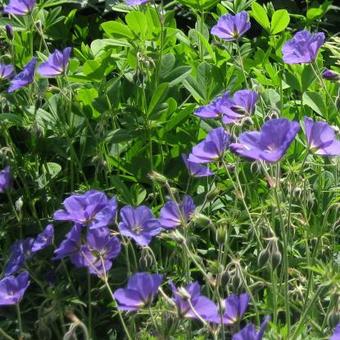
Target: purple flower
[232,27]
[173,214]
[235,307]
[249,331]
[241,106]
[21,250]
[92,209]
[136,2]
[44,239]
[191,295]
[330,75]
[195,169]
[9,31]
[303,47]
[25,77]
[5,179]
[140,291]
[19,7]
[211,148]
[12,289]
[71,247]
[321,138]
[270,143]
[99,251]
[139,224]
[216,108]
[6,71]
[336,334]
[56,64]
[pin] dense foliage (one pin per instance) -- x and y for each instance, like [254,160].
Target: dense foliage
[169,170]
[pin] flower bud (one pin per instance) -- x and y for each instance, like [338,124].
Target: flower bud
[263,258]
[276,258]
[9,32]
[19,204]
[221,235]
[157,177]
[201,219]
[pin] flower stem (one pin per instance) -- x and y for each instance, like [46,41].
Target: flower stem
[238,48]
[89,302]
[21,333]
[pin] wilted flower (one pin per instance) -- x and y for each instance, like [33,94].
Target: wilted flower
[303,47]
[6,71]
[211,148]
[195,169]
[92,209]
[19,7]
[173,214]
[12,289]
[139,224]
[249,331]
[25,77]
[56,64]
[242,105]
[191,304]
[232,27]
[44,239]
[140,291]
[321,138]
[330,75]
[9,31]
[21,250]
[71,247]
[136,2]
[99,251]
[336,334]
[270,143]
[5,179]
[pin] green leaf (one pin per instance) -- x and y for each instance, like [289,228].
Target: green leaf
[117,29]
[137,23]
[314,13]
[315,101]
[280,21]
[260,15]
[157,97]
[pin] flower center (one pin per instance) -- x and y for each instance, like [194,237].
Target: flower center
[137,229]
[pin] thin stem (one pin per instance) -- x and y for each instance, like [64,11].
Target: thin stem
[21,333]
[89,302]
[5,335]
[238,48]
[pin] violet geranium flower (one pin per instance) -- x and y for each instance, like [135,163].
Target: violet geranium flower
[242,105]
[330,75]
[99,251]
[139,224]
[5,179]
[19,7]
[6,71]
[232,27]
[215,108]
[303,47]
[211,148]
[92,209]
[21,250]
[136,2]
[195,169]
[44,239]
[12,289]
[249,331]
[336,333]
[270,144]
[173,214]
[56,64]
[191,303]
[321,138]
[70,247]
[235,307]
[140,291]
[25,77]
